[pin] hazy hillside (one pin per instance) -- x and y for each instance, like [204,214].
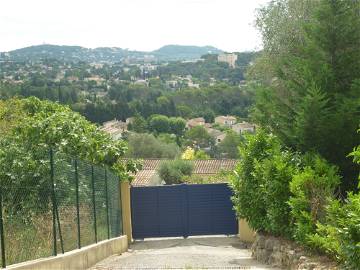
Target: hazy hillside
[113,54]
[178,52]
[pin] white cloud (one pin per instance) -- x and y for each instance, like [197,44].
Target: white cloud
[133,24]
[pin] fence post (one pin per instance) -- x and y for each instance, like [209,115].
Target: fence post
[107,205]
[93,200]
[3,260]
[59,226]
[53,201]
[77,203]
[126,209]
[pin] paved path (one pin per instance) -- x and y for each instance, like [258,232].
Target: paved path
[178,253]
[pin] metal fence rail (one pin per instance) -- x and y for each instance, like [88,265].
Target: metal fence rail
[70,204]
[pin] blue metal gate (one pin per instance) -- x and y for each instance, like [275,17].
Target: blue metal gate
[182,210]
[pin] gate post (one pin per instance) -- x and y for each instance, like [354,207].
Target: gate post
[246,234]
[126,209]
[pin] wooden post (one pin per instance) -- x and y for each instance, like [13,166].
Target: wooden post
[126,210]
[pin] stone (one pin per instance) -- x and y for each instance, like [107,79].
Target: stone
[269,244]
[276,245]
[263,255]
[276,259]
[261,241]
[282,254]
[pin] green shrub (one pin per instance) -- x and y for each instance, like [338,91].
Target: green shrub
[261,184]
[347,222]
[339,236]
[277,173]
[172,172]
[311,190]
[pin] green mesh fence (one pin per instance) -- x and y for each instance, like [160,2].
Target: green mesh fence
[69,205]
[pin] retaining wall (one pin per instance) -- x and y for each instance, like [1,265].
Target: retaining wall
[78,259]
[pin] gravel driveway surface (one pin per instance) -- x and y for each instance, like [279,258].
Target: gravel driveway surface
[177,253]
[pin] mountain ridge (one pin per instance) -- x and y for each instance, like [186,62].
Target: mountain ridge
[78,53]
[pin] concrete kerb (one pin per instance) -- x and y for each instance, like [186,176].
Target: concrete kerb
[77,259]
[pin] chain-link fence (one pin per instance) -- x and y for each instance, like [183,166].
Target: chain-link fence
[71,204]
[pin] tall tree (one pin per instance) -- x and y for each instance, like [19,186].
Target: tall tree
[308,92]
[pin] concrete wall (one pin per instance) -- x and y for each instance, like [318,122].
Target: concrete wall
[126,210]
[246,234]
[77,259]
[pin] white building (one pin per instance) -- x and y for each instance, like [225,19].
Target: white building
[227,120]
[229,58]
[242,127]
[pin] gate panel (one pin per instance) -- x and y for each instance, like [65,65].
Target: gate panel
[223,216]
[182,210]
[199,210]
[171,213]
[211,210]
[144,212]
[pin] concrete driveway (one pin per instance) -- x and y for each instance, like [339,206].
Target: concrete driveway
[177,253]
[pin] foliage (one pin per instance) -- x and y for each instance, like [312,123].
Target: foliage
[138,124]
[339,235]
[276,173]
[44,125]
[209,68]
[307,78]
[10,114]
[356,157]
[188,154]
[201,154]
[177,126]
[229,146]
[261,183]
[164,124]
[311,190]
[173,171]
[220,177]
[159,123]
[198,137]
[147,146]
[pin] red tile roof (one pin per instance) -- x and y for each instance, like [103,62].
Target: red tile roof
[201,167]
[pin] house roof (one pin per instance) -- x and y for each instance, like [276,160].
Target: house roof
[244,125]
[214,132]
[201,167]
[143,178]
[224,118]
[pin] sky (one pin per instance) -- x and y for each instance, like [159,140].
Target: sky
[143,25]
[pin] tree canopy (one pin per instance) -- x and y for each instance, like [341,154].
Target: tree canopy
[307,79]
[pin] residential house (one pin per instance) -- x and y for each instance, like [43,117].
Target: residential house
[220,138]
[193,85]
[142,82]
[172,84]
[96,79]
[115,128]
[200,121]
[242,127]
[218,135]
[227,121]
[129,120]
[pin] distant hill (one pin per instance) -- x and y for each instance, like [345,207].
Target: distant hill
[112,54]
[180,52]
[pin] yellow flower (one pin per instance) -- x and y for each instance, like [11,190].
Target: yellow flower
[189,154]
